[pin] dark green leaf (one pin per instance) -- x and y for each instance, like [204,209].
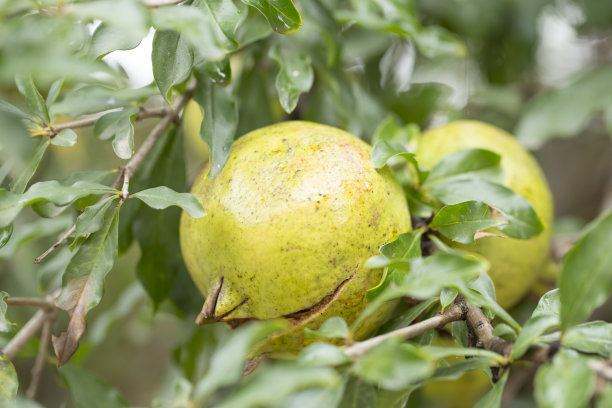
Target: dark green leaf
[505,331]
[282,15]
[464,165]
[455,371]
[8,381]
[459,330]
[586,278]
[567,382]
[461,222]
[334,327]
[228,361]
[523,222]
[447,297]
[5,235]
[443,352]
[5,324]
[227,17]
[163,197]
[83,283]
[590,337]
[172,60]
[323,354]
[87,390]
[34,99]
[295,76]
[92,219]
[66,137]
[218,128]
[393,365]
[358,394]
[196,26]
[435,41]
[274,385]
[19,185]
[493,398]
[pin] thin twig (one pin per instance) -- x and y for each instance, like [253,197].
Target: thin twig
[35,302]
[56,244]
[25,334]
[454,313]
[144,113]
[41,357]
[126,185]
[160,3]
[128,170]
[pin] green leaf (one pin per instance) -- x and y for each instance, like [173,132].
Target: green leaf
[12,109]
[5,324]
[393,365]
[585,281]
[464,165]
[162,197]
[282,15]
[108,38]
[383,151]
[87,390]
[523,222]
[227,17]
[35,230]
[405,318]
[493,398]
[564,112]
[533,328]
[447,297]
[274,385]
[196,26]
[455,371]
[83,283]
[323,354]
[172,60]
[92,219]
[333,328]
[33,98]
[358,394]
[505,331]
[127,16]
[118,124]
[459,331]
[605,398]
[19,185]
[444,352]
[227,362]
[95,98]
[53,191]
[435,41]
[218,129]
[591,337]
[314,398]
[549,304]
[66,137]
[390,131]
[461,222]
[8,381]
[5,235]
[567,382]
[295,76]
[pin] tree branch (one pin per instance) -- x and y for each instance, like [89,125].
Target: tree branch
[41,357]
[36,302]
[484,332]
[25,334]
[127,171]
[144,113]
[454,313]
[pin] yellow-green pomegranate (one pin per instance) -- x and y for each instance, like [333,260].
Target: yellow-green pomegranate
[514,263]
[291,219]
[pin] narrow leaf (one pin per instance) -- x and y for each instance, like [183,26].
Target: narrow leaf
[295,76]
[533,328]
[92,218]
[19,185]
[83,283]
[172,60]
[162,197]
[493,398]
[282,15]
[218,128]
[460,222]
[33,98]
[5,324]
[586,274]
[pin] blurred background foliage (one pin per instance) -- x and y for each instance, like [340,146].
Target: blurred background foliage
[537,68]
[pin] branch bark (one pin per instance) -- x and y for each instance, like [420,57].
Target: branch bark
[454,313]
[484,332]
[41,357]
[25,334]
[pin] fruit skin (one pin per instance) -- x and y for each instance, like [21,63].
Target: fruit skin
[294,213]
[515,263]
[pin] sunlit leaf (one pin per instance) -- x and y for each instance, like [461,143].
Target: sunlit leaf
[163,197]
[460,222]
[8,381]
[66,137]
[464,165]
[590,337]
[334,327]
